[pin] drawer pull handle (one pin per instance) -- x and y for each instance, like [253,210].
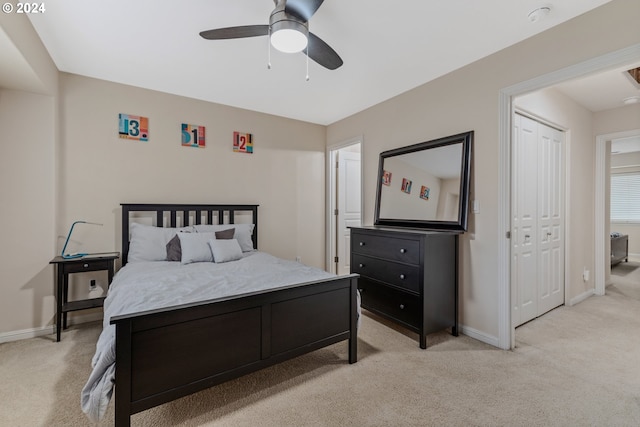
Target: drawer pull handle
[402,276]
[401,306]
[86,265]
[361,265]
[403,251]
[361,243]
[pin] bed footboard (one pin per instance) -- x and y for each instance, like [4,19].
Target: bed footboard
[169,353]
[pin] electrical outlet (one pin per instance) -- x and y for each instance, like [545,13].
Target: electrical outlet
[585,275]
[298,259]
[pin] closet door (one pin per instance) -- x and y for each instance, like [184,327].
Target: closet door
[537,233]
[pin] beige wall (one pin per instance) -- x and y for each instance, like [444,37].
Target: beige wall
[28,137]
[284,175]
[467,99]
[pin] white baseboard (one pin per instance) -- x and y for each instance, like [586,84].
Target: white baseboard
[583,296]
[24,334]
[480,336]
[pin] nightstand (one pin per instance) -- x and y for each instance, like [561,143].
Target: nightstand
[64,267]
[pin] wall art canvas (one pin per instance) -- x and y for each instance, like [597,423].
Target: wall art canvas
[242,142]
[193,136]
[386,178]
[406,186]
[424,192]
[133,127]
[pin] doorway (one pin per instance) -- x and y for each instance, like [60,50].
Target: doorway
[506,330]
[344,194]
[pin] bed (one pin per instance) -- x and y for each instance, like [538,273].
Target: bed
[175,348]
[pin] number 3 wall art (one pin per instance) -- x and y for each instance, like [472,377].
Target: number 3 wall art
[242,142]
[133,127]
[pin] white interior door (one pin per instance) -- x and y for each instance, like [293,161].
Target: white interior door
[349,205]
[537,233]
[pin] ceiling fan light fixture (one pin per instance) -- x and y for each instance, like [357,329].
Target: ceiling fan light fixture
[289,36]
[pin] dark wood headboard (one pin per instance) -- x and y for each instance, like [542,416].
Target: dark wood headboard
[174,212]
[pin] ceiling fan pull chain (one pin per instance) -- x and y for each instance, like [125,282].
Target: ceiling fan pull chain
[307,50]
[269,50]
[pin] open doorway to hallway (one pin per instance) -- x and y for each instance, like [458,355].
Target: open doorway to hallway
[344,194]
[584,257]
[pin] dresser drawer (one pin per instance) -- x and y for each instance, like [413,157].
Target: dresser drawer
[396,274]
[392,248]
[390,303]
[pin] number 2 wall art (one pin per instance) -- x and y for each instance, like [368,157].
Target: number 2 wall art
[133,127]
[242,142]
[193,136]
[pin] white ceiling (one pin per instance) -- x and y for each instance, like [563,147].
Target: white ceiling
[602,91]
[387,47]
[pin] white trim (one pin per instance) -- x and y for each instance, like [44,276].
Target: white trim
[506,332]
[480,336]
[329,197]
[583,296]
[27,333]
[601,259]
[74,319]
[610,60]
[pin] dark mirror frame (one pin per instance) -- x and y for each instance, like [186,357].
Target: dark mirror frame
[466,139]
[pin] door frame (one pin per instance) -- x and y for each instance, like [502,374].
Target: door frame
[330,200]
[602,228]
[506,331]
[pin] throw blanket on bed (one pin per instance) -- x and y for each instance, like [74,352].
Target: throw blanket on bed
[144,286]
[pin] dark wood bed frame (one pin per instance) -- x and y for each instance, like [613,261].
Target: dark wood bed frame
[164,354]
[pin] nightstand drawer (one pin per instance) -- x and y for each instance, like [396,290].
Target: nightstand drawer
[390,303]
[93,265]
[395,249]
[396,274]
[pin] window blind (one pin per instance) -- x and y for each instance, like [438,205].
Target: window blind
[625,197]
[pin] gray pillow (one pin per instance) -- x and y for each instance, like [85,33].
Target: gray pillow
[225,234]
[225,250]
[195,248]
[174,250]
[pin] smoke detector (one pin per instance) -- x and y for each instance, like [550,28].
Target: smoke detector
[631,100]
[539,13]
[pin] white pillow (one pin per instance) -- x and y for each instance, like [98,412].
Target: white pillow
[195,248]
[149,243]
[242,234]
[225,250]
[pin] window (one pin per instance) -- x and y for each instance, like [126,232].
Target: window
[625,197]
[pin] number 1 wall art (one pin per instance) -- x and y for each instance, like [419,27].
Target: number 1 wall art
[192,136]
[133,127]
[242,142]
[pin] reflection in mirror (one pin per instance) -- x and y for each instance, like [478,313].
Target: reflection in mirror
[426,184]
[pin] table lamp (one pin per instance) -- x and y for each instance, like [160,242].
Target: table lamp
[76,255]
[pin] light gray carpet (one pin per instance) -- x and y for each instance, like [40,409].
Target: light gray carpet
[575,366]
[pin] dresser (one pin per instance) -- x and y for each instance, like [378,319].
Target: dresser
[408,276]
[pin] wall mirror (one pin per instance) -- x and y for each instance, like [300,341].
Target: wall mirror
[426,185]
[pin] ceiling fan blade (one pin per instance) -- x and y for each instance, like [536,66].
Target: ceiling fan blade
[322,53]
[303,9]
[236,32]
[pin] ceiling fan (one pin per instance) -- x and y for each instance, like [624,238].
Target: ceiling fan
[288,31]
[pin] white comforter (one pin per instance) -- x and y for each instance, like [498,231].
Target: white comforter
[148,285]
